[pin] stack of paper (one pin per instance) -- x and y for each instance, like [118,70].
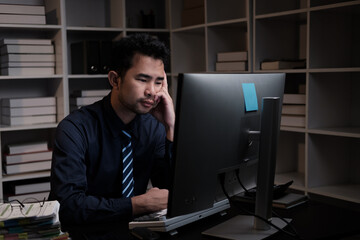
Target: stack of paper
[36,220]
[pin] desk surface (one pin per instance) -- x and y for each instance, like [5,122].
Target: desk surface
[312,220]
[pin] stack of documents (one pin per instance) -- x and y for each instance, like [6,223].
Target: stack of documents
[37,220]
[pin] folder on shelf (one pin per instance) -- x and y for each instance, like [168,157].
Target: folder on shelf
[85,57]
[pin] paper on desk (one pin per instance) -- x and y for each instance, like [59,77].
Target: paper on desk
[30,210]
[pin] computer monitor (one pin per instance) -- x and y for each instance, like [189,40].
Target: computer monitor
[218,116]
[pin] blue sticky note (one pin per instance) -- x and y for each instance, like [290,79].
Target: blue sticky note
[250,97]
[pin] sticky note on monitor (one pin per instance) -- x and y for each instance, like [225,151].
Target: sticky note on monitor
[250,97]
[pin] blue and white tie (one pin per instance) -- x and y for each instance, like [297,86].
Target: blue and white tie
[128,180]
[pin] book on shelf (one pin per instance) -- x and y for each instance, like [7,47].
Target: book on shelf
[82,101]
[91,93]
[296,98]
[31,188]
[232,56]
[28,120]
[283,64]
[292,109]
[292,120]
[28,111]
[22,19]
[231,66]
[23,2]
[27,58]
[24,65]
[23,197]
[26,41]
[28,157]
[28,102]
[27,147]
[27,167]
[288,200]
[25,71]
[22,9]
[25,48]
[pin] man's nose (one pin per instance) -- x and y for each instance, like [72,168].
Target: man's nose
[150,90]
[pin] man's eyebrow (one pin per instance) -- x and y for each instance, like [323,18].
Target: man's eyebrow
[143,75]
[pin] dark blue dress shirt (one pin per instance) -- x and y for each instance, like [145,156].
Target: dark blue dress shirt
[86,171]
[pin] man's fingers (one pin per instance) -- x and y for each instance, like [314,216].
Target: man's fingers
[165,83]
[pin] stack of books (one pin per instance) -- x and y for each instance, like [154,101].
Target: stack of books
[33,189]
[232,61]
[25,111]
[36,220]
[27,157]
[23,57]
[81,98]
[293,110]
[22,12]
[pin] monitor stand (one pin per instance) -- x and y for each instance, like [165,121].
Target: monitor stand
[249,227]
[242,227]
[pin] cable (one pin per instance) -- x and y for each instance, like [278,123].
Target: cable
[237,172]
[222,181]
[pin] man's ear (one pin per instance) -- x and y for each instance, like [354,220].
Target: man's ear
[114,79]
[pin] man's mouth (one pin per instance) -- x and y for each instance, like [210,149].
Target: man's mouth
[148,103]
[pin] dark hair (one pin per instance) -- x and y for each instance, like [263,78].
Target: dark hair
[125,49]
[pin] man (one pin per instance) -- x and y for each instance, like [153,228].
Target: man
[87,168]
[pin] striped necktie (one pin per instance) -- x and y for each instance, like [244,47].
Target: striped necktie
[128,180]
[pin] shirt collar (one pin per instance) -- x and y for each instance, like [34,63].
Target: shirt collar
[115,124]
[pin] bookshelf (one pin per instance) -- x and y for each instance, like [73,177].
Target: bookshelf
[322,157]
[68,22]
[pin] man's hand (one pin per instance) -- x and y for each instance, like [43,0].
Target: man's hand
[152,201]
[164,111]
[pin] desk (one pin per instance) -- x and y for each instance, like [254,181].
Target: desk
[312,220]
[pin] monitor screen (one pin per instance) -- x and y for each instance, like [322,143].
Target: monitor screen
[214,114]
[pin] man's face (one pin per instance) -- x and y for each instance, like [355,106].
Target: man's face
[141,83]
